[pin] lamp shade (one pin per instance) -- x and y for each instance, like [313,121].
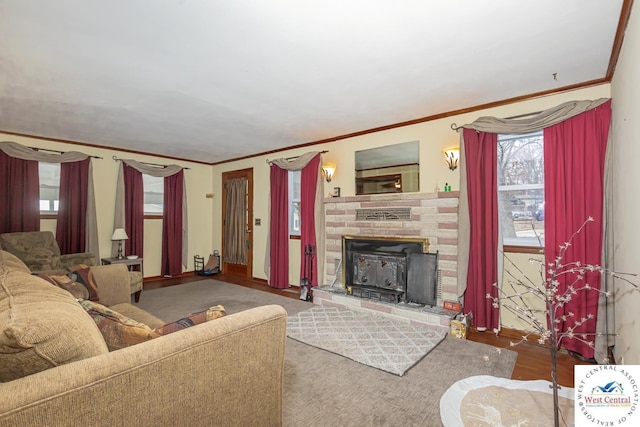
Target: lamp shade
[119,234]
[452,155]
[328,170]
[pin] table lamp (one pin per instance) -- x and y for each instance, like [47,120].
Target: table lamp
[119,234]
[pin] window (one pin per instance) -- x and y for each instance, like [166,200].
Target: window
[294,202]
[521,188]
[153,194]
[49,174]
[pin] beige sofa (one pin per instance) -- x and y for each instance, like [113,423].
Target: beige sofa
[224,372]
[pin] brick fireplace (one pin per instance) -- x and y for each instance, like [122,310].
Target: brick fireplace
[430,216]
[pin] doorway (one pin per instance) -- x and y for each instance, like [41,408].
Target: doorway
[237,223]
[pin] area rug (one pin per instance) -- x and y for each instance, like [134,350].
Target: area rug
[325,389]
[374,340]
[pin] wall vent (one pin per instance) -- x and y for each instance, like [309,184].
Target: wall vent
[388,214]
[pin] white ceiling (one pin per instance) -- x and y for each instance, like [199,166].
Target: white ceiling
[213,80]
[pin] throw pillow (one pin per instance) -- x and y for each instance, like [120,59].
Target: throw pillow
[118,331]
[193,319]
[82,274]
[78,290]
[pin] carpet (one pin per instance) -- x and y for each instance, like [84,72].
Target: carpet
[374,340]
[325,389]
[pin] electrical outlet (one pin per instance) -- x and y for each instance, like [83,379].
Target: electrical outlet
[258,221]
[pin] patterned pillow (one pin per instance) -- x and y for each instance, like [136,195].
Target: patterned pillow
[78,290]
[119,331]
[82,274]
[192,320]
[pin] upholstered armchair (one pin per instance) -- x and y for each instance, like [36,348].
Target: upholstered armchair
[40,251]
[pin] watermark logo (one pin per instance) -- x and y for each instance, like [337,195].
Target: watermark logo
[607,395]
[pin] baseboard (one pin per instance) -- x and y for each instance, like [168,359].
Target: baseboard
[261,281]
[265,282]
[192,273]
[156,282]
[159,278]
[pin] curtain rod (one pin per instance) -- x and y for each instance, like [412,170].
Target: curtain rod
[295,157]
[58,151]
[147,163]
[519,116]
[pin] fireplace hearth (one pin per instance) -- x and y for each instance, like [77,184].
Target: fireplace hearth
[390,269]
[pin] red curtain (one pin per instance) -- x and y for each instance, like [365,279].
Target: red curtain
[133,210]
[72,209]
[574,158]
[482,183]
[19,194]
[279,228]
[308,183]
[172,225]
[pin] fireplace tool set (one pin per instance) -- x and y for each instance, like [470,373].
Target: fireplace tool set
[306,281]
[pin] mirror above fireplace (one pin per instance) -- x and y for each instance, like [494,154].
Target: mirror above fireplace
[389,169]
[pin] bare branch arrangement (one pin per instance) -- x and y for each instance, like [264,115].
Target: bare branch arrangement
[513,296]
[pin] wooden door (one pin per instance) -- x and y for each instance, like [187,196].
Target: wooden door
[234,268]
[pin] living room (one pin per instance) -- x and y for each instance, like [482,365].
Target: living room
[204,181]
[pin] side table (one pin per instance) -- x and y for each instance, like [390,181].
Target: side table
[130,263]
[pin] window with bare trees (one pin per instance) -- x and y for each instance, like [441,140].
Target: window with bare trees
[521,188]
[294,202]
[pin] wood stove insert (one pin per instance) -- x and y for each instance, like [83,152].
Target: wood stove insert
[390,269]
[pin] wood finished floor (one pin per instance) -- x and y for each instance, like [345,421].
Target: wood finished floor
[533,363]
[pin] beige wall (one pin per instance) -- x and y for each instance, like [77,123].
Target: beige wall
[528,273]
[205,214]
[434,136]
[198,183]
[625,89]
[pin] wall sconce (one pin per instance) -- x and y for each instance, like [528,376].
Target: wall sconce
[452,155]
[119,234]
[328,171]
